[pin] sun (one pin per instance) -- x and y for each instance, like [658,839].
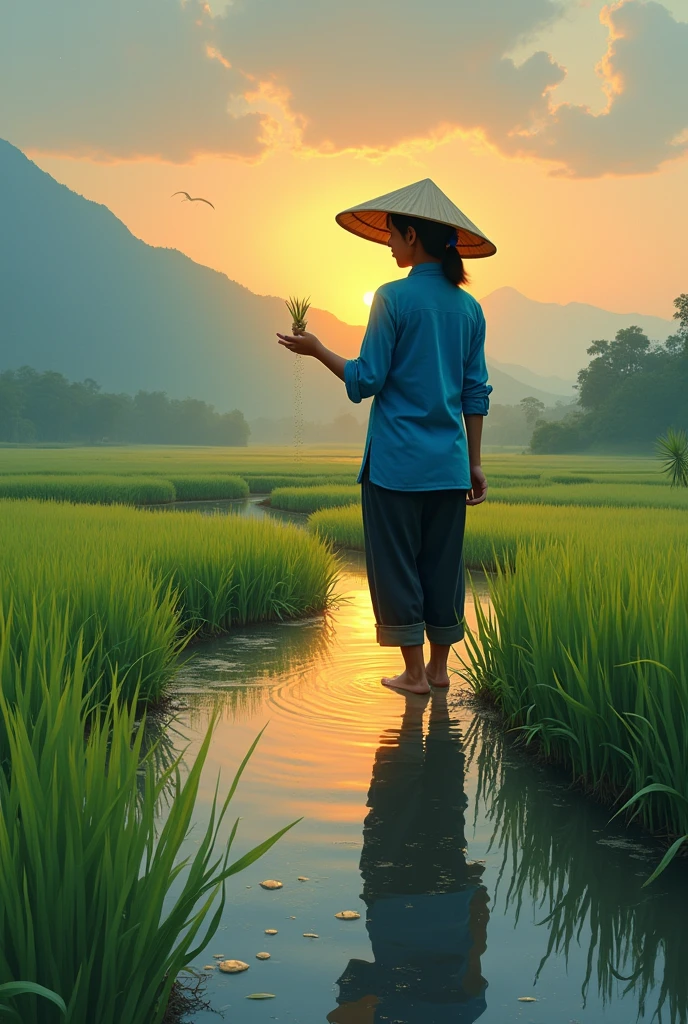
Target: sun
[368,298]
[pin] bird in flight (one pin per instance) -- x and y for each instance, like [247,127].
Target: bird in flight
[192,199]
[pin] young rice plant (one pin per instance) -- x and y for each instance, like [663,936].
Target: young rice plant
[98,902]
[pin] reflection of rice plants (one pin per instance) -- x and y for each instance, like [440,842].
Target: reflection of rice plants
[250,669]
[672,451]
[586,893]
[583,650]
[138,585]
[310,499]
[99,903]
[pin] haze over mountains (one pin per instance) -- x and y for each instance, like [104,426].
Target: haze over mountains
[552,339]
[81,295]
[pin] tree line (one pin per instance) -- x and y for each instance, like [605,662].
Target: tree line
[632,391]
[37,406]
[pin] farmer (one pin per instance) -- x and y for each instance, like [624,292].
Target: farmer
[423,360]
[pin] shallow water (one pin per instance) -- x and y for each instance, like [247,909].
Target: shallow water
[478,876]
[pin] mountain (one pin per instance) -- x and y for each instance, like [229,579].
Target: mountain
[509,391]
[81,295]
[552,385]
[550,339]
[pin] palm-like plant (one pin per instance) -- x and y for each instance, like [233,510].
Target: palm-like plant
[672,450]
[298,309]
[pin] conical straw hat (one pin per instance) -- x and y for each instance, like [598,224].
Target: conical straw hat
[422,199]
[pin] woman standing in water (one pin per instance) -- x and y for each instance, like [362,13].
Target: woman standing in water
[423,360]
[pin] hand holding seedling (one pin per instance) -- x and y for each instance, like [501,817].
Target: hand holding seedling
[301,343]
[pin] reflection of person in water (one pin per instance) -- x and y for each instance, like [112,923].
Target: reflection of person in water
[426,907]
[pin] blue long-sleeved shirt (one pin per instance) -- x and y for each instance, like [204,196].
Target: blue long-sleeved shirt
[423,358]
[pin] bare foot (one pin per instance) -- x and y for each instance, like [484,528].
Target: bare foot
[440,679]
[407,683]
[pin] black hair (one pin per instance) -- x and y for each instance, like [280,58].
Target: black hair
[434,237]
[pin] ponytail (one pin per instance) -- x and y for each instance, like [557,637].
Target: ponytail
[438,240]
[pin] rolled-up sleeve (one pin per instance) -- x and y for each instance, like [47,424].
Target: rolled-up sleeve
[366,375]
[475,392]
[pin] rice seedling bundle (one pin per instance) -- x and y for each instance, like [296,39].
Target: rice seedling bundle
[310,499]
[589,896]
[203,488]
[139,584]
[99,903]
[584,650]
[105,490]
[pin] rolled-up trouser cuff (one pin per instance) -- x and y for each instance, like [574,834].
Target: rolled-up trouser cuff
[401,636]
[446,635]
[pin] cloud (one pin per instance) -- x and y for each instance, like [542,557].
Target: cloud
[119,79]
[372,75]
[168,79]
[645,74]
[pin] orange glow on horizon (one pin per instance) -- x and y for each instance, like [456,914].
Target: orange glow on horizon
[274,229]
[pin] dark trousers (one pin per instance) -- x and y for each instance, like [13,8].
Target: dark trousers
[414,559]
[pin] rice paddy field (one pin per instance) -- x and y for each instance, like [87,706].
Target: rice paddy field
[578,644]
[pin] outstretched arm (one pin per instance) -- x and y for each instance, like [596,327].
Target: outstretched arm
[308,345]
[366,375]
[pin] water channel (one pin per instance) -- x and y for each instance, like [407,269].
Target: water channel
[481,879]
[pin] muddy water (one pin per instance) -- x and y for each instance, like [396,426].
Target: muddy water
[480,879]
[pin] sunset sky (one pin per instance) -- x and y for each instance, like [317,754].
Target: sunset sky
[561,129]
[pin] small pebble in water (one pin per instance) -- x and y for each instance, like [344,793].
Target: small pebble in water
[302,878]
[218,956]
[233,966]
[310,935]
[262,956]
[292,918]
[271,883]
[527,999]
[348,915]
[209,967]
[261,995]
[271,931]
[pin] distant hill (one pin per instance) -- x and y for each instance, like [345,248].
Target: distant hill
[550,339]
[81,295]
[509,391]
[552,385]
